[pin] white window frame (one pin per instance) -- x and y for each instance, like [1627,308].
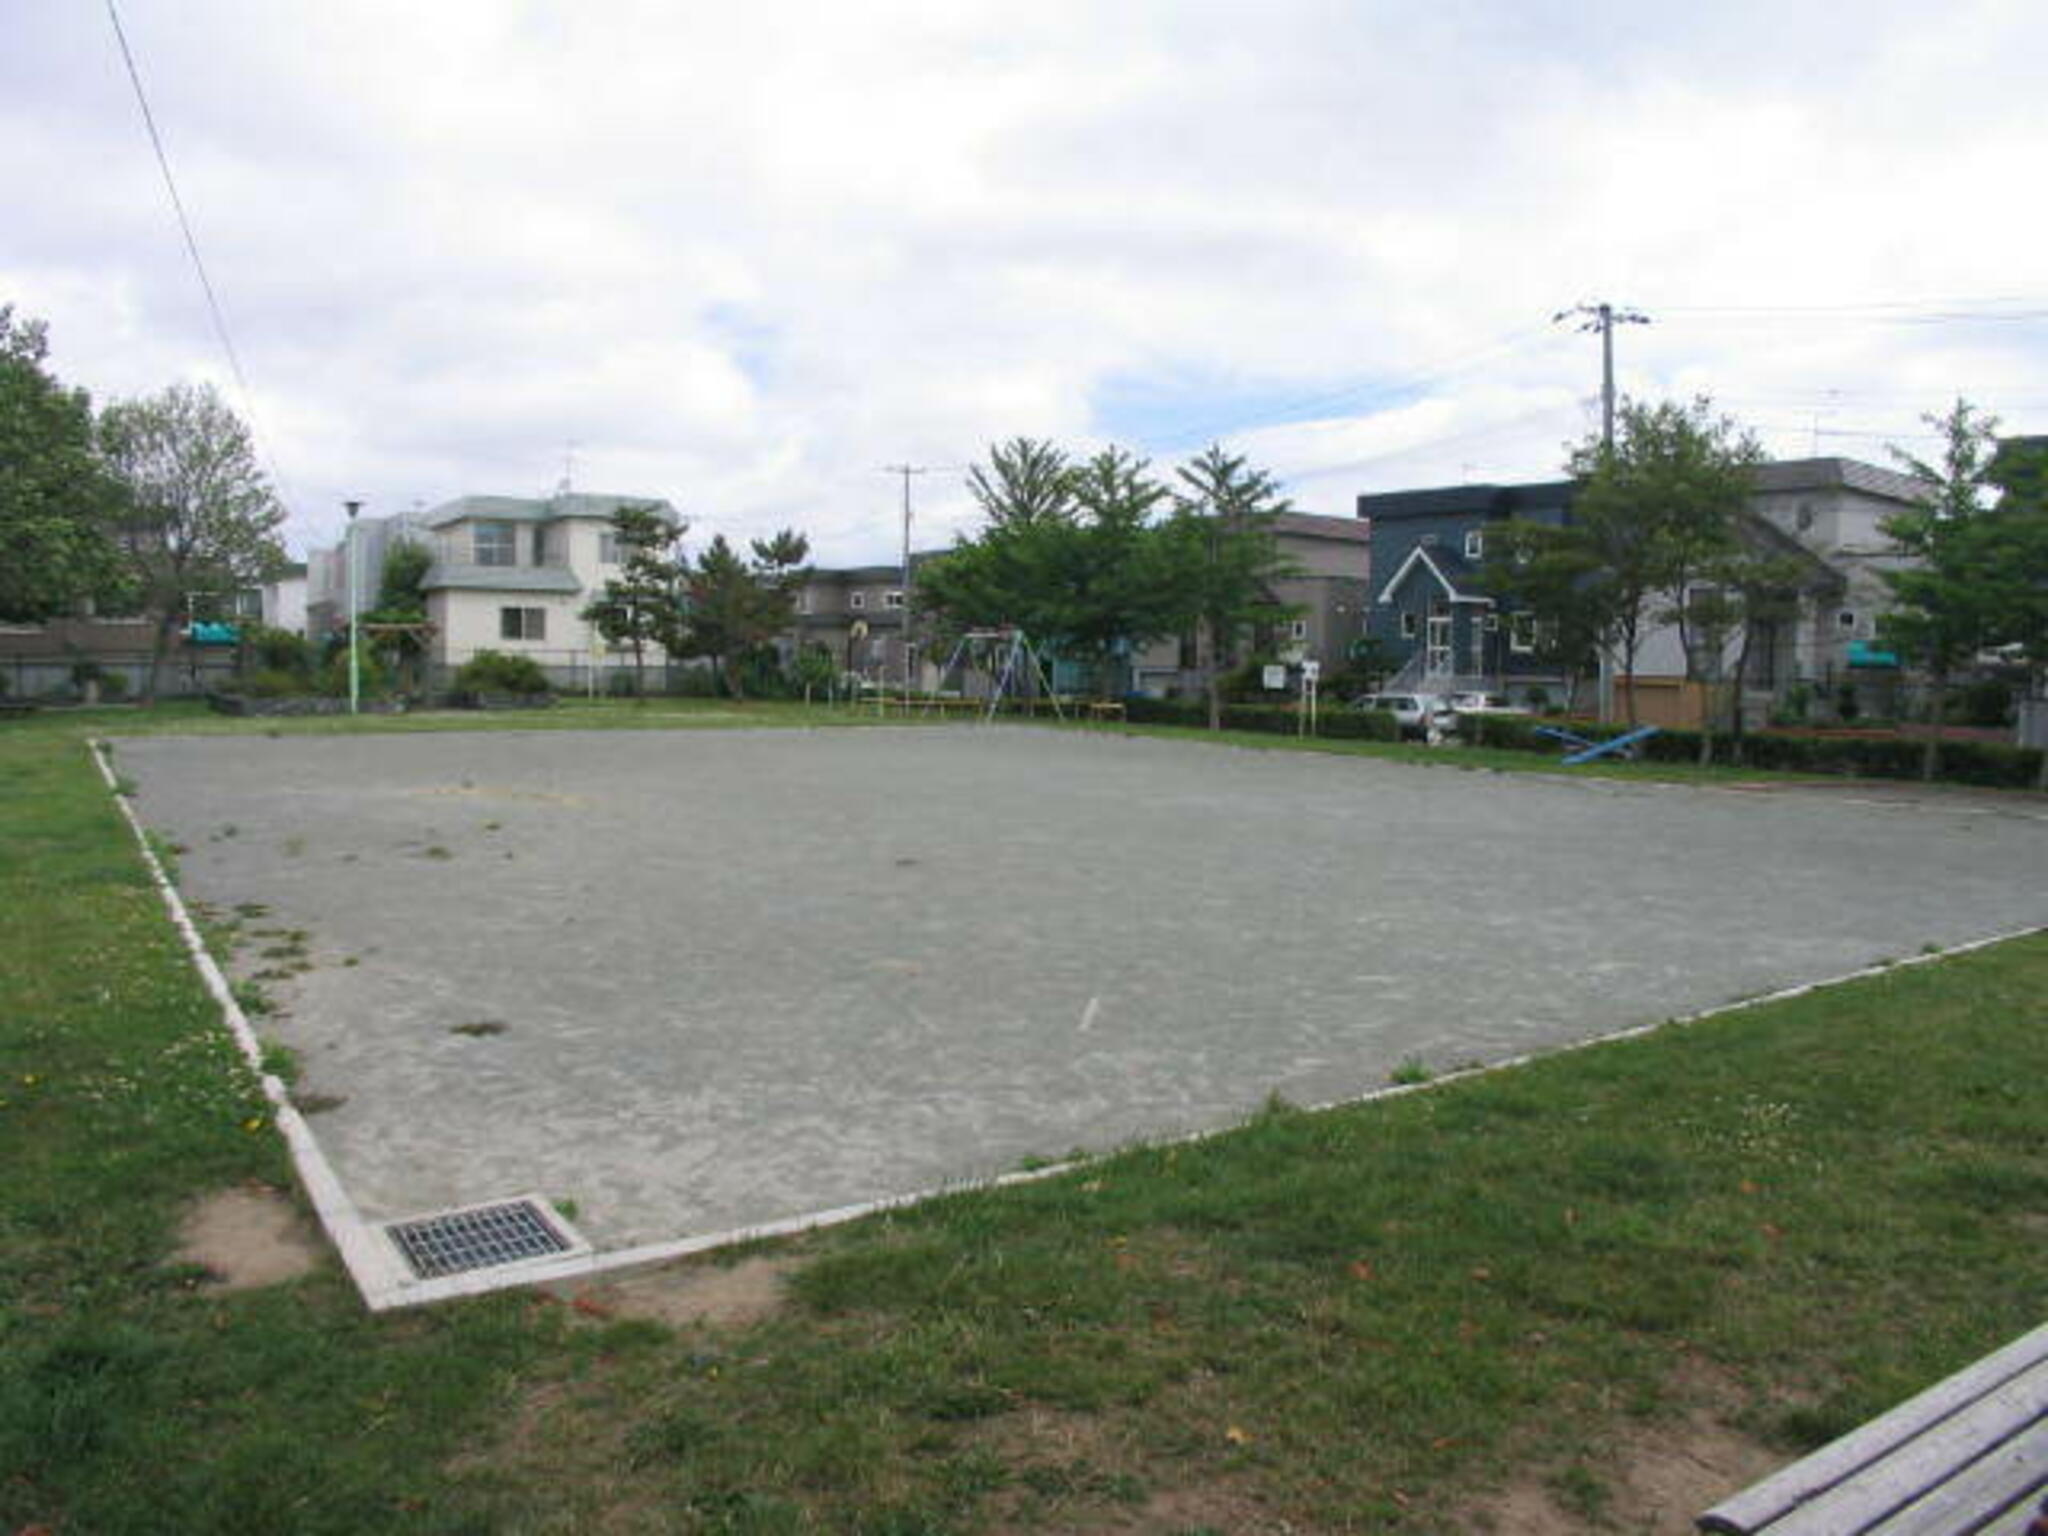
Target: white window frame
[608,548]
[1297,629]
[1411,626]
[482,554]
[531,623]
[1475,544]
[857,601]
[893,598]
[1522,634]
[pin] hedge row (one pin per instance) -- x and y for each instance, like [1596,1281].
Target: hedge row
[1338,723]
[1890,757]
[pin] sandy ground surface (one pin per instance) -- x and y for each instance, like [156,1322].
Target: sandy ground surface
[693,981]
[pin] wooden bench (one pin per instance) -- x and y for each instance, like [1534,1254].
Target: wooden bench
[1969,1455]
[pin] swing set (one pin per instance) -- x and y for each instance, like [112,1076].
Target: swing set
[1007,658]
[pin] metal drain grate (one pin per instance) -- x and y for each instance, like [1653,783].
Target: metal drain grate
[481,1238]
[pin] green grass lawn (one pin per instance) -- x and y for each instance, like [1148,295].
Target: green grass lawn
[1348,1321]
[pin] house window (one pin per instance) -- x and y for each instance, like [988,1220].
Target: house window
[892,599]
[1846,619]
[522,623]
[803,601]
[1522,633]
[1408,626]
[1298,630]
[540,545]
[857,600]
[1475,544]
[496,544]
[608,549]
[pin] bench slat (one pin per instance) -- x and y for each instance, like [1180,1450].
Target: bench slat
[1976,1499]
[1921,1464]
[1755,1508]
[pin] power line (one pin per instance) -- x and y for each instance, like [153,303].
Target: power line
[1498,427]
[213,306]
[1928,307]
[1364,394]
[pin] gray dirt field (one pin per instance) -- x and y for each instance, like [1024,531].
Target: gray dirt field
[744,975]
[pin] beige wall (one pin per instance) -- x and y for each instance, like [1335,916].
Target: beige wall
[468,619]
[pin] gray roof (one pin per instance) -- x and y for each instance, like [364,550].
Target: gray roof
[1313,525]
[500,578]
[540,509]
[1825,474]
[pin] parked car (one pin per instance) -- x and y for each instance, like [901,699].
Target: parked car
[1418,714]
[1485,704]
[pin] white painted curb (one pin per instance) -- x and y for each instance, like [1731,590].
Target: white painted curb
[372,1263]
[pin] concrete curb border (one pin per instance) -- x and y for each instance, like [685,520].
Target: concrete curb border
[385,1282]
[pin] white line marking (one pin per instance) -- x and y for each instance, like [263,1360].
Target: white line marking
[1088,1014]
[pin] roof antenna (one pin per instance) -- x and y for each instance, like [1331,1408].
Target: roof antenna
[568,468]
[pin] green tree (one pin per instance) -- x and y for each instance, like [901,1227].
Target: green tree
[1026,481]
[1946,612]
[55,496]
[734,605]
[1119,592]
[642,605]
[197,514]
[402,605]
[814,670]
[1652,512]
[1549,581]
[1221,561]
[1009,574]
[2016,531]
[1089,575]
[1743,591]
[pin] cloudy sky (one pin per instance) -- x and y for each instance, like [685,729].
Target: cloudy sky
[744,256]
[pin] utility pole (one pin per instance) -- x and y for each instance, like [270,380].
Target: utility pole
[906,471]
[1603,318]
[355,674]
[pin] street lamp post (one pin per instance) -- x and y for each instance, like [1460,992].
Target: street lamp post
[355,676]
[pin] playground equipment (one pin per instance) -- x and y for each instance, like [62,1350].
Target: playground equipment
[1007,658]
[1584,749]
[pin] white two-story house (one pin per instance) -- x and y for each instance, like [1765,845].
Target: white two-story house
[514,574]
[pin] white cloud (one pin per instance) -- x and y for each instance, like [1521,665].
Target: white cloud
[744,257]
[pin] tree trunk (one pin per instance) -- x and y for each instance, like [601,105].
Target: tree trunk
[1628,676]
[1212,685]
[1930,754]
[153,681]
[1735,702]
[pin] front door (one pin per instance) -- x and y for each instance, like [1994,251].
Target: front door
[1437,646]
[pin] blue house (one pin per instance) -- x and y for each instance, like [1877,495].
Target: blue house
[1428,607]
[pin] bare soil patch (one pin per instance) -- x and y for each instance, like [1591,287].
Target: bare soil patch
[1655,1477]
[248,1236]
[680,1294]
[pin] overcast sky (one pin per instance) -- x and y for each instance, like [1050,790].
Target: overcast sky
[743,256]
